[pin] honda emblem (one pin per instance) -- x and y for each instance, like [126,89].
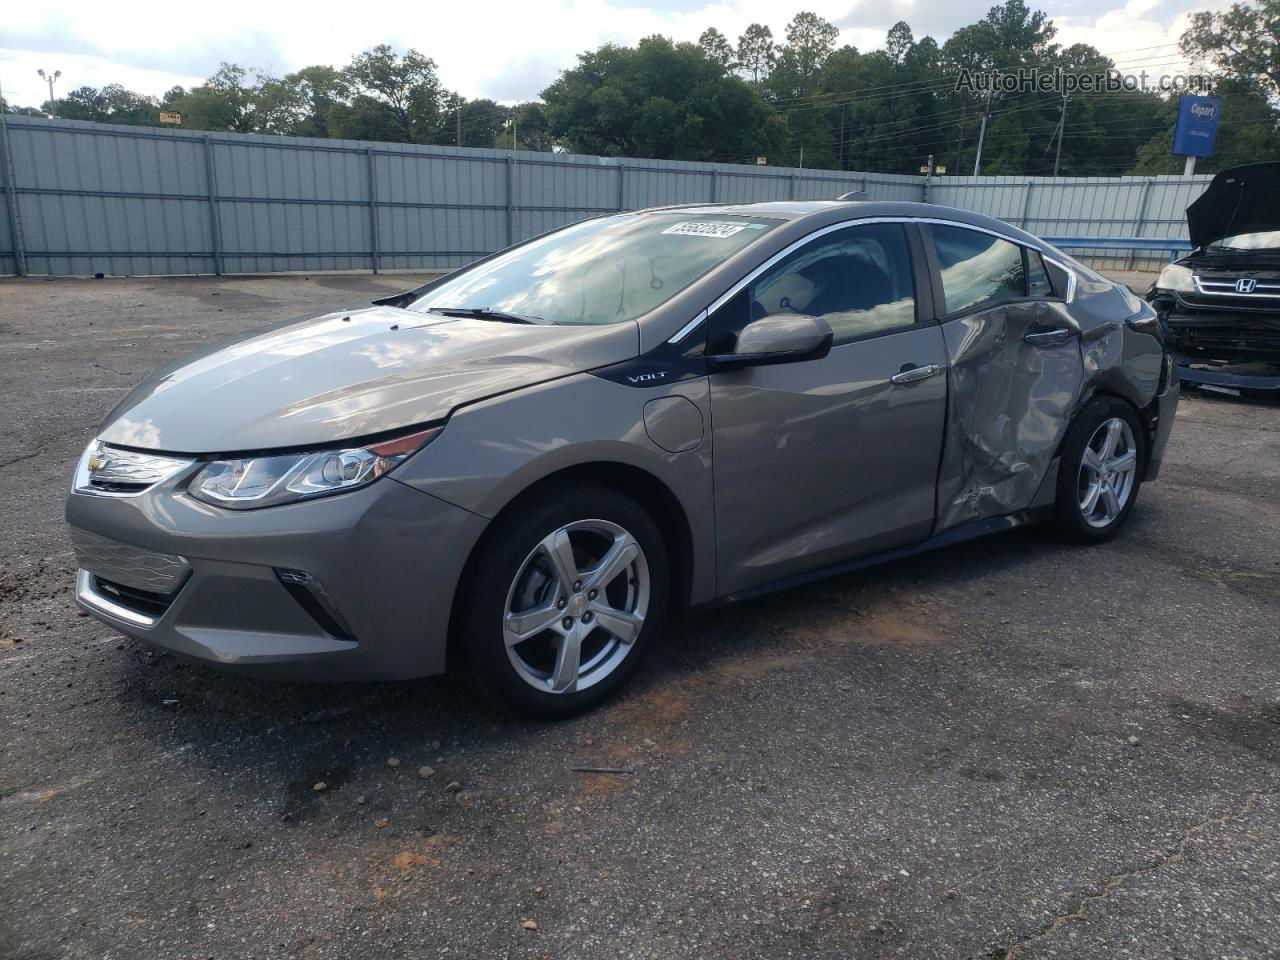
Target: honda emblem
[1246,285]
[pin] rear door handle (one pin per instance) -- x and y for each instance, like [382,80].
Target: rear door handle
[912,374]
[1047,338]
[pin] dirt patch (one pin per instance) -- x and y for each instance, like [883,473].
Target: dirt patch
[392,876]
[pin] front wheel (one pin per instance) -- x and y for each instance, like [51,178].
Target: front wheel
[565,598]
[1099,472]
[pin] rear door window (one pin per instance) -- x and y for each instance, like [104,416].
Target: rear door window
[977,269]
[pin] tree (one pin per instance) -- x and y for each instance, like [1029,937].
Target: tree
[658,99]
[899,42]
[532,132]
[484,124]
[298,104]
[756,51]
[810,40]
[111,104]
[396,98]
[1243,43]
[222,102]
[717,47]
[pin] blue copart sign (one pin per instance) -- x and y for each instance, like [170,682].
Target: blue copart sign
[1197,127]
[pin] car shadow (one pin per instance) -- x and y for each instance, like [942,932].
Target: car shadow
[299,734]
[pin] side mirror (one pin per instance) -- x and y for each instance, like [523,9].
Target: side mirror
[778,338]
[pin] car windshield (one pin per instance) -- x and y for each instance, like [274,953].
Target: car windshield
[599,271]
[1262,240]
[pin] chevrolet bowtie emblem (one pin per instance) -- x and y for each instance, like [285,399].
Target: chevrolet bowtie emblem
[97,462]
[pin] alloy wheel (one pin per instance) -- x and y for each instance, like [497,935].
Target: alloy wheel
[1108,470]
[576,606]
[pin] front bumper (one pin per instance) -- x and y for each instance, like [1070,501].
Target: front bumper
[357,586]
[1230,378]
[1165,409]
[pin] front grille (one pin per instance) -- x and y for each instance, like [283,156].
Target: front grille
[115,472]
[1225,337]
[146,602]
[1226,287]
[127,565]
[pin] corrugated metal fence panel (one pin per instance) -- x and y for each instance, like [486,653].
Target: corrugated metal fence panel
[91,200]
[1082,207]
[8,257]
[137,200]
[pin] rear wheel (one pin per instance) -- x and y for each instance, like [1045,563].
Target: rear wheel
[1099,472]
[567,594]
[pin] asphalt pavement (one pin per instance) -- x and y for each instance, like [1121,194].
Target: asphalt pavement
[1011,748]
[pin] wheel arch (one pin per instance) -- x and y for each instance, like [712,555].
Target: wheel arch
[1127,396]
[655,496]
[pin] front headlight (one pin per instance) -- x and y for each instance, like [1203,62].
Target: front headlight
[269,479]
[1177,278]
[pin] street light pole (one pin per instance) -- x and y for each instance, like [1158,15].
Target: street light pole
[53,104]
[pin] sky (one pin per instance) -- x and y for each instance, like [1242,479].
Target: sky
[505,50]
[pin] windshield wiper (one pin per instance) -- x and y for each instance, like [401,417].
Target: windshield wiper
[484,313]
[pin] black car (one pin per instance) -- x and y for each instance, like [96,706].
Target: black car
[1220,304]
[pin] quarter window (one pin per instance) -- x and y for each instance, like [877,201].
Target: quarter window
[858,280]
[977,268]
[1038,283]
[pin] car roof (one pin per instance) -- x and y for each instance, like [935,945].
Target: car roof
[833,211]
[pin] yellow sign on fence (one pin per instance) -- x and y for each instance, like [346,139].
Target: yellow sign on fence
[168,117]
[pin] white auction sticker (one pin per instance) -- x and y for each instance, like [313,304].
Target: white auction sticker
[706,228]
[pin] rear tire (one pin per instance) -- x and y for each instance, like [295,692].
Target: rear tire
[564,600]
[1099,471]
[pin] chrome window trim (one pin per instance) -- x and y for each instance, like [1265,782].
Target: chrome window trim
[795,245]
[688,328]
[91,598]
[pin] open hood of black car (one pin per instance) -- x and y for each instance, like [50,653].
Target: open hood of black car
[1243,199]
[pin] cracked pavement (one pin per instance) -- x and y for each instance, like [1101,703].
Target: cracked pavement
[928,759]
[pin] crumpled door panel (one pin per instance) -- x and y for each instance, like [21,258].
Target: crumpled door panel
[1010,402]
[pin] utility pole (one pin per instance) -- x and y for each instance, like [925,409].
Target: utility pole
[982,133]
[513,127]
[53,104]
[801,157]
[843,108]
[457,112]
[1062,128]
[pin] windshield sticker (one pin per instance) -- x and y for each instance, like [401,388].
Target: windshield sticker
[706,228]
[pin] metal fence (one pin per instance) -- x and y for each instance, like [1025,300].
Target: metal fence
[84,198]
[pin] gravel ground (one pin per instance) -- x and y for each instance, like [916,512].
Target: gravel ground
[1010,748]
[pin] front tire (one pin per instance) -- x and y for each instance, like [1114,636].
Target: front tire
[564,600]
[1099,471]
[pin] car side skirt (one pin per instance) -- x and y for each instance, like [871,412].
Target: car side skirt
[959,534]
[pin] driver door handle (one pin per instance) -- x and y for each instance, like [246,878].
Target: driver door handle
[912,374]
[1047,338]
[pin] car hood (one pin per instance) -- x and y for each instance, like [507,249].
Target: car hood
[347,375]
[1239,200]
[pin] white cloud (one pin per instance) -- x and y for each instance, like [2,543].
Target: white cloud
[500,48]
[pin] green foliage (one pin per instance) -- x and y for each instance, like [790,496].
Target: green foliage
[801,98]
[717,47]
[756,51]
[657,99]
[1242,43]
